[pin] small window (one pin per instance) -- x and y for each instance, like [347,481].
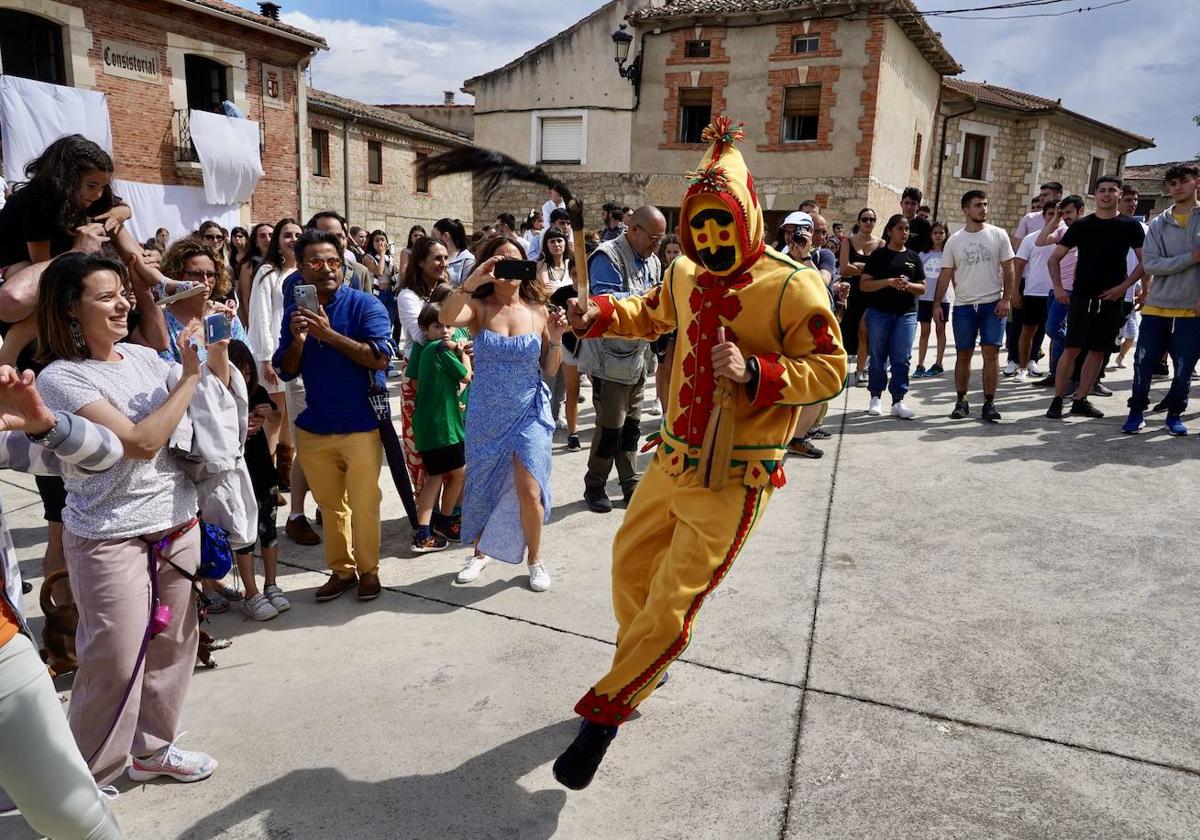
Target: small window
[1145,208]
[698,49]
[1095,173]
[561,140]
[206,83]
[695,113]
[320,152]
[374,162]
[801,113]
[974,159]
[917,153]
[806,44]
[31,47]
[421,178]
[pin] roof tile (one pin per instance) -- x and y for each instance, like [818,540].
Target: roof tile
[253,17]
[385,117]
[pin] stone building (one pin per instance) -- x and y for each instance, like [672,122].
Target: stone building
[1148,179]
[363,163]
[155,60]
[1008,143]
[838,100]
[453,117]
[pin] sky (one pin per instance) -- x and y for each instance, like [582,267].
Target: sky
[1131,65]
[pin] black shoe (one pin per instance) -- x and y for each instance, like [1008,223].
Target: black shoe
[1100,390]
[803,447]
[819,434]
[597,500]
[1047,382]
[990,414]
[576,767]
[573,443]
[961,410]
[1083,408]
[1162,406]
[627,493]
[1055,412]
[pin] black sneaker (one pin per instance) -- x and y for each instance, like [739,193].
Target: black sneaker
[1055,412]
[819,434]
[1100,390]
[1047,382]
[573,444]
[1083,408]
[961,410]
[627,493]
[935,370]
[989,413]
[1161,407]
[597,500]
[803,447]
[576,767]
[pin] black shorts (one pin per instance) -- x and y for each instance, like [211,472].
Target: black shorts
[1033,310]
[54,496]
[925,311]
[1093,324]
[444,460]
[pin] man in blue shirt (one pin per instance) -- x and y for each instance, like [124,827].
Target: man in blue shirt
[340,351]
[624,266]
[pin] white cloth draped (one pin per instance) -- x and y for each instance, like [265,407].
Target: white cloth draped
[178,209]
[229,157]
[35,114]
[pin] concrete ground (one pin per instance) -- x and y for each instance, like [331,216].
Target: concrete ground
[943,629]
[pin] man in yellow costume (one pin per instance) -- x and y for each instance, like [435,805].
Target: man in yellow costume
[757,341]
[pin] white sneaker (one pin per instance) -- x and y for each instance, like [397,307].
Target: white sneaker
[278,600]
[180,765]
[655,408]
[1010,368]
[474,566]
[259,608]
[1022,376]
[539,578]
[560,425]
[899,409]
[1034,370]
[874,410]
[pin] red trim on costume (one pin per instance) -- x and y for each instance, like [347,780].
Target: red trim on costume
[770,381]
[616,711]
[778,479]
[714,303]
[604,319]
[822,338]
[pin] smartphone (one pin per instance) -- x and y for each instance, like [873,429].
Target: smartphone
[516,270]
[216,328]
[305,297]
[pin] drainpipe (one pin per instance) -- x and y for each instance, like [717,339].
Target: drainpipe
[303,140]
[937,193]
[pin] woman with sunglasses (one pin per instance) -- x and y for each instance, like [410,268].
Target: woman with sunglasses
[856,248]
[196,262]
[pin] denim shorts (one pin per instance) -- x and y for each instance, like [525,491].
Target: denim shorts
[977,321]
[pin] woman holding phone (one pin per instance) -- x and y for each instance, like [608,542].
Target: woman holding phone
[518,341]
[191,260]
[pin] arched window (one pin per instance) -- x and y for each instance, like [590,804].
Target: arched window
[31,47]
[206,83]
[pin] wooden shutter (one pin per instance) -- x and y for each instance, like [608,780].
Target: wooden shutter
[802,101]
[562,139]
[695,97]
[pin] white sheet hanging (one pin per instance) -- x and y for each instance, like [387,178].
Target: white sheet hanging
[229,158]
[178,209]
[35,114]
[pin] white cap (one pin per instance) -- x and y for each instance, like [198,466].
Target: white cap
[799,219]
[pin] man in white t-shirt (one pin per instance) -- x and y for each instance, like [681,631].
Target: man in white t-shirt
[1031,262]
[1032,221]
[979,260]
[554,202]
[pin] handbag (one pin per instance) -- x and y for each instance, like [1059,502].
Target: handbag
[216,555]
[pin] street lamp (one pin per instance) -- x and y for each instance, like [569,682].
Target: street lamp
[622,40]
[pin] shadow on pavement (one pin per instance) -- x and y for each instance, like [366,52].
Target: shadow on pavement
[480,798]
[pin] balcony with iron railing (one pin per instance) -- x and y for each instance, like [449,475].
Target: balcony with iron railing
[185,150]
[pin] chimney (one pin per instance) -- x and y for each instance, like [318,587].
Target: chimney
[269,10]
[447,97]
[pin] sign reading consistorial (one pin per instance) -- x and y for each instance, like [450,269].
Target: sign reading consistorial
[130,61]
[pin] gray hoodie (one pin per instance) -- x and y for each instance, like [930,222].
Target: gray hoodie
[1167,255]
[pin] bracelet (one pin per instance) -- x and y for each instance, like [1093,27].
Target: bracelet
[552,344]
[44,436]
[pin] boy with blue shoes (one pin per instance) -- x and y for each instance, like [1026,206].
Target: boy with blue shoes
[1170,300]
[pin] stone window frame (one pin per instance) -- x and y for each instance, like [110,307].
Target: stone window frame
[1098,153]
[992,133]
[77,38]
[825,75]
[323,155]
[715,35]
[786,33]
[535,132]
[418,153]
[237,80]
[672,84]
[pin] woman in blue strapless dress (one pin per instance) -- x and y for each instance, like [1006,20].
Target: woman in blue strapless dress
[509,430]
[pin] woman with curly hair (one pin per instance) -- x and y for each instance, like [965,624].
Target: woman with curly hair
[192,260]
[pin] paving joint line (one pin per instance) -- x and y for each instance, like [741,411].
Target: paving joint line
[812,626]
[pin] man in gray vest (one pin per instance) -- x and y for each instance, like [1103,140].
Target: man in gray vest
[624,266]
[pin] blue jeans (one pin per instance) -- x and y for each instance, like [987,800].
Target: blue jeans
[1056,328]
[971,321]
[1182,336]
[891,341]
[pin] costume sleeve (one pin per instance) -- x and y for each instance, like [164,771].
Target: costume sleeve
[812,367]
[637,316]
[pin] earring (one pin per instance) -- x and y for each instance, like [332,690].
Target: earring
[77,338]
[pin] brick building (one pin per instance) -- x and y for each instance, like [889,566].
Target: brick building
[1009,143]
[155,60]
[838,101]
[363,163]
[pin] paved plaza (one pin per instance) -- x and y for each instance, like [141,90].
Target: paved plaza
[941,630]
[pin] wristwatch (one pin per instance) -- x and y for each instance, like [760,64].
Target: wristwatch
[45,436]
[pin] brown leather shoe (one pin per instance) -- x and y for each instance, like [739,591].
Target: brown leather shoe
[368,586]
[300,532]
[336,585]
